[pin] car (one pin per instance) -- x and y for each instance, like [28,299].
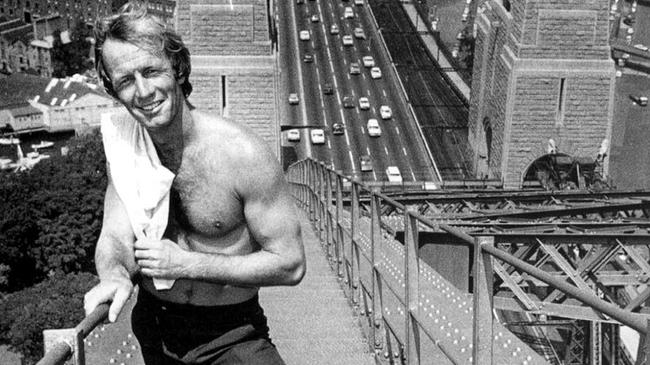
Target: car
[315,18]
[393,174]
[355,69]
[317,136]
[366,163]
[338,128]
[304,35]
[641,47]
[334,29]
[359,34]
[328,89]
[348,102]
[368,61]
[348,13]
[358,2]
[347,40]
[385,112]
[373,128]
[639,100]
[364,103]
[300,2]
[294,99]
[293,135]
[308,58]
[375,72]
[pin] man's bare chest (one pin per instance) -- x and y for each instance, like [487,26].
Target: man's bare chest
[208,207]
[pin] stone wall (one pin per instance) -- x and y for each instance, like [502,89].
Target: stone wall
[232,44]
[545,74]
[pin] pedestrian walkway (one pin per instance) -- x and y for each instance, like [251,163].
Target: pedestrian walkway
[312,323]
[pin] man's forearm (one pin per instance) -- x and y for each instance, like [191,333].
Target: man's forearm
[261,268]
[112,260]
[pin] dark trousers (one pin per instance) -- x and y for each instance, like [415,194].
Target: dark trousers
[174,334]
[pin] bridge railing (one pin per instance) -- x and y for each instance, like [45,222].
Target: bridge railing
[372,267]
[63,344]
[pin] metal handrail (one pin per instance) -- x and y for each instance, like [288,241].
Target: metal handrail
[62,350]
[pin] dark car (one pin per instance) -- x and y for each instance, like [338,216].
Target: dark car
[348,102]
[308,58]
[328,89]
[338,128]
[640,100]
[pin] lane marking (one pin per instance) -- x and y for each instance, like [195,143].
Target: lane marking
[384,92]
[386,150]
[404,150]
[397,130]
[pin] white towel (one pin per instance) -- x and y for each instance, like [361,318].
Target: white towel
[141,181]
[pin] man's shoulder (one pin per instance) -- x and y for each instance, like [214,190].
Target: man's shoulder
[226,136]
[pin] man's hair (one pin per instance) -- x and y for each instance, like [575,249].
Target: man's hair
[134,25]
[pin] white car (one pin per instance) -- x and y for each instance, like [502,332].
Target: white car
[315,18]
[358,33]
[368,61]
[373,128]
[641,47]
[385,112]
[334,29]
[294,99]
[347,40]
[358,2]
[375,72]
[364,103]
[394,175]
[304,35]
[317,136]
[293,135]
[348,13]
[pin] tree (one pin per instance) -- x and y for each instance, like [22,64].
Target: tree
[73,57]
[52,304]
[50,216]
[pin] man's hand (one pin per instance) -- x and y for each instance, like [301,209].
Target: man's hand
[118,290]
[161,259]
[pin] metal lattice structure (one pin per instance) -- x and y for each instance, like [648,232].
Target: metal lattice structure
[597,243]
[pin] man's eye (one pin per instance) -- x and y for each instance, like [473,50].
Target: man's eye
[150,73]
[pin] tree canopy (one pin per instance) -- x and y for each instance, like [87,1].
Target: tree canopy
[50,216]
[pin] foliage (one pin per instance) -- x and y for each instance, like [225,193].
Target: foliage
[52,304]
[50,216]
[71,58]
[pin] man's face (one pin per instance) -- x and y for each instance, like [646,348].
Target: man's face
[144,83]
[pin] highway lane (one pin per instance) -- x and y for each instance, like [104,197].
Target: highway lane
[399,144]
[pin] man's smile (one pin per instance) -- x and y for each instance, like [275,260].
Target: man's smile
[151,106]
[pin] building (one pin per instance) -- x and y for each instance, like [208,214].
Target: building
[543,84]
[29,103]
[164,9]
[234,70]
[72,11]
[27,47]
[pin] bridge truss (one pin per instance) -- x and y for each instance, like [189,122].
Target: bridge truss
[597,241]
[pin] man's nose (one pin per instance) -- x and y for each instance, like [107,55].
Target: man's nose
[143,86]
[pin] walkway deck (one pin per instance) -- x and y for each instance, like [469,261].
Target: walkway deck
[311,324]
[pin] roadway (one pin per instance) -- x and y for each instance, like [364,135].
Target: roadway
[399,144]
[440,109]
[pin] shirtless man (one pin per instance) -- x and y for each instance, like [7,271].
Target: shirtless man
[232,225]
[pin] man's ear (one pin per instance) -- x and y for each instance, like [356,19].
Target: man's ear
[180,78]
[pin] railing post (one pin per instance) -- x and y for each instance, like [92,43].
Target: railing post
[354,250]
[376,248]
[60,344]
[328,212]
[483,337]
[412,288]
[340,239]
